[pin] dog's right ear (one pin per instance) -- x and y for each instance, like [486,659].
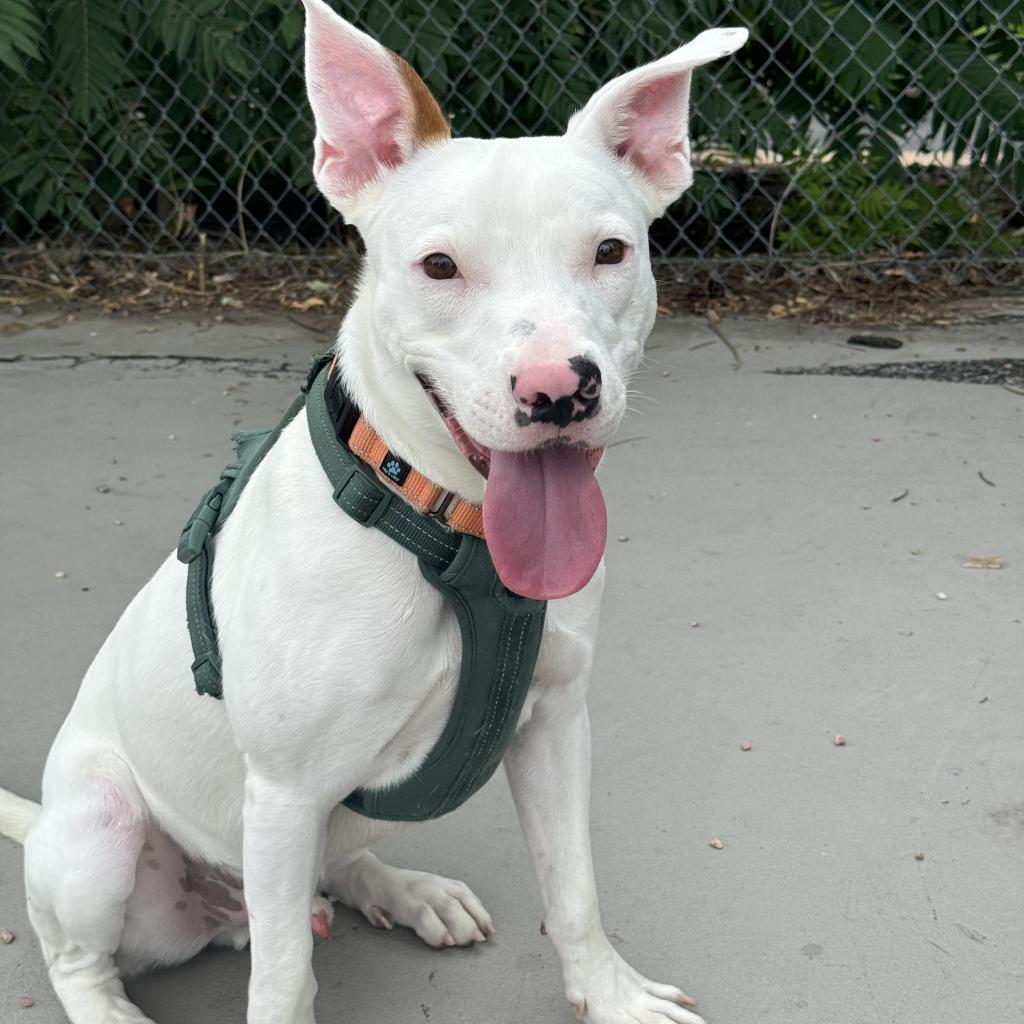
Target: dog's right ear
[372,110]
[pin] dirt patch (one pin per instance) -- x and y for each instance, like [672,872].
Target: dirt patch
[1007,372]
[316,291]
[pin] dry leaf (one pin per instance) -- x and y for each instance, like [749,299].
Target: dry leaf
[307,304]
[983,562]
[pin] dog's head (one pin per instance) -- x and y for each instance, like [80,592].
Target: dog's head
[510,277]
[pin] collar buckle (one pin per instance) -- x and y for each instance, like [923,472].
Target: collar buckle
[440,509]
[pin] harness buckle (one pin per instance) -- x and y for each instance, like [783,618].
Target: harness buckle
[202,521]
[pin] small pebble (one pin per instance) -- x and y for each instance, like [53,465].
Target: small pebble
[102,488]
[716,844]
[746,745]
[119,522]
[623,538]
[6,936]
[694,624]
[60,574]
[840,740]
[942,596]
[665,373]
[26,1003]
[918,856]
[172,437]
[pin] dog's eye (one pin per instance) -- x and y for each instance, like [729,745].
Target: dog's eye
[439,266]
[611,250]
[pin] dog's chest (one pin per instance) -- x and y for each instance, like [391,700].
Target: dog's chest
[350,664]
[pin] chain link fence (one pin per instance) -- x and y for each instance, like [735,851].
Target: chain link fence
[845,132]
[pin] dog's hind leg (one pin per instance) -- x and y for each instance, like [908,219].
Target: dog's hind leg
[441,911]
[80,865]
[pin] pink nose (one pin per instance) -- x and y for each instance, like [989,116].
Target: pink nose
[540,385]
[557,393]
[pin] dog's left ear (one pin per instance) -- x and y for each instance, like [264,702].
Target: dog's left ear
[372,110]
[642,116]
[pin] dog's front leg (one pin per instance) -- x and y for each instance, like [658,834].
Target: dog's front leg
[548,767]
[285,828]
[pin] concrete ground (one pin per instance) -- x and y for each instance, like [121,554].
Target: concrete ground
[779,551]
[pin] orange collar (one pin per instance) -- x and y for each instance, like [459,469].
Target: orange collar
[424,495]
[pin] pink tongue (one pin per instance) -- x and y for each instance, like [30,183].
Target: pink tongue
[545,521]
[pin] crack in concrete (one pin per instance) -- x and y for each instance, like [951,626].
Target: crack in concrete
[250,366]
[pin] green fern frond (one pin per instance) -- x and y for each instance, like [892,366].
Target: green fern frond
[20,30]
[90,53]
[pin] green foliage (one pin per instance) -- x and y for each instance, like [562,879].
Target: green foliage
[131,116]
[19,34]
[848,208]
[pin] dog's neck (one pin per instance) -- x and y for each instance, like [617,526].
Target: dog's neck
[398,409]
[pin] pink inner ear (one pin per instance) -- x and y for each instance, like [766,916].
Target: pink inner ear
[359,103]
[653,130]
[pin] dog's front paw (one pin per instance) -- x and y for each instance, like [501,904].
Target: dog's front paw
[606,990]
[442,911]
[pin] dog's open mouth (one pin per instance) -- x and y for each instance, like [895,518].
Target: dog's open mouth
[544,513]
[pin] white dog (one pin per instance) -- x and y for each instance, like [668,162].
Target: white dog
[494,271]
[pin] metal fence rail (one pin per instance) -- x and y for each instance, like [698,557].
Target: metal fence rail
[847,130]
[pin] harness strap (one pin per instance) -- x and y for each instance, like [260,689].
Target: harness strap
[501,632]
[194,546]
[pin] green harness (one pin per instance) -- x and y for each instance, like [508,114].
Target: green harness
[501,631]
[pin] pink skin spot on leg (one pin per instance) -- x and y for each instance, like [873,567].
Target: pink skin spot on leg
[321,925]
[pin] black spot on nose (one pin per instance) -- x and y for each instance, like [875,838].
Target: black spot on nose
[589,374]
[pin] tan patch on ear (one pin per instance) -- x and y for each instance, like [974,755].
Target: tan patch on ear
[429,124]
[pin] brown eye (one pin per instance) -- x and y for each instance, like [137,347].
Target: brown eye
[611,250]
[439,266]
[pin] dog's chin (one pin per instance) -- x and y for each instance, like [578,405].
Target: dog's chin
[544,513]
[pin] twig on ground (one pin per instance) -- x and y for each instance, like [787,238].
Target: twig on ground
[712,318]
[985,479]
[65,293]
[202,262]
[309,327]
